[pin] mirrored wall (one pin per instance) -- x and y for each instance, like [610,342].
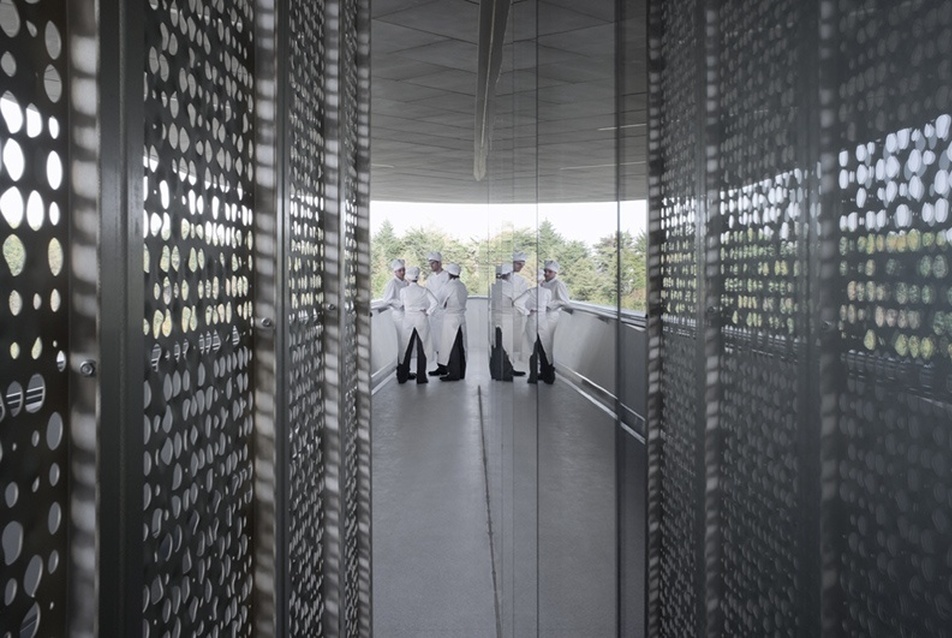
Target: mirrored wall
[510,139]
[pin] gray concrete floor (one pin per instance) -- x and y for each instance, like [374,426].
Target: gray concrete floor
[544,455]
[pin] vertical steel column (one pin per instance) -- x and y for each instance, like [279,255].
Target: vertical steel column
[121,298]
[620,437]
[655,312]
[335,329]
[363,317]
[824,271]
[272,460]
[709,327]
[84,313]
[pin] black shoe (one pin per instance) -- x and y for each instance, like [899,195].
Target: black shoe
[518,373]
[532,380]
[411,376]
[439,372]
[422,380]
[449,378]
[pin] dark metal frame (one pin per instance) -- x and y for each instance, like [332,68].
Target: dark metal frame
[84,342]
[121,402]
[334,283]
[270,370]
[825,359]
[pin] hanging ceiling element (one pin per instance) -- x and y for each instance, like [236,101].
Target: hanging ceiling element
[552,118]
[493,16]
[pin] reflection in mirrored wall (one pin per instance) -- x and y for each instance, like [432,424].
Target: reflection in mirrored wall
[508,139]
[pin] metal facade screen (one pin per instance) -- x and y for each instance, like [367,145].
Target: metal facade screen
[305,316]
[189,485]
[799,442]
[198,467]
[34,319]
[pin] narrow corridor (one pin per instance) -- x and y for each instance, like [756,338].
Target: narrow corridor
[435,569]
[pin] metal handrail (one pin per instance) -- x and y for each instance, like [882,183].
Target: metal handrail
[628,317]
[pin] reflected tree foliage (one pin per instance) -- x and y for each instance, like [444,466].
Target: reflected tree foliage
[589,271]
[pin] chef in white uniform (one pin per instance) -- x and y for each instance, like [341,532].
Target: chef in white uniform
[418,305]
[435,282]
[560,294]
[534,304]
[452,352]
[501,325]
[391,297]
[520,283]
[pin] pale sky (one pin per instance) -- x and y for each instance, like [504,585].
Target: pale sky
[585,221]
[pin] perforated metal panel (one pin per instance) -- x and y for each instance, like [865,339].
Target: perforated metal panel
[762,216]
[895,319]
[34,239]
[198,466]
[826,144]
[194,232]
[326,255]
[305,330]
[681,435]
[353,211]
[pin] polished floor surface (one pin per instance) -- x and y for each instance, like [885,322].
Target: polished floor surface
[493,510]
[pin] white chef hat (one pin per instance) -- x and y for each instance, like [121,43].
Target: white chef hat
[503,269]
[435,256]
[397,264]
[540,275]
[453,269]
[519,256]
[413,273]
[552,265]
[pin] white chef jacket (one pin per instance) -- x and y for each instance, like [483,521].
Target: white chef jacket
[391,297]
[519,284]
[455,295]
[534,303]
[418,304]
[560,300]
[435,283]
[519,346]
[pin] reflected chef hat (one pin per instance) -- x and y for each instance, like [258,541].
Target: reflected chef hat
[453,269]
[519,256]
[413,273]
[503,269]
[397,264]
[435,256]
[552,265]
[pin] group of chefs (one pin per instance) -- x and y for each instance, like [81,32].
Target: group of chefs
[430,320]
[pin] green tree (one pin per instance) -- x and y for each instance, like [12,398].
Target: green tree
[385,246]
[590,274]
[633,255]
[577,268]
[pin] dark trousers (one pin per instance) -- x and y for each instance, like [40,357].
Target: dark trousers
[456,366]
[539,365]
[500,367]
[403,368]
